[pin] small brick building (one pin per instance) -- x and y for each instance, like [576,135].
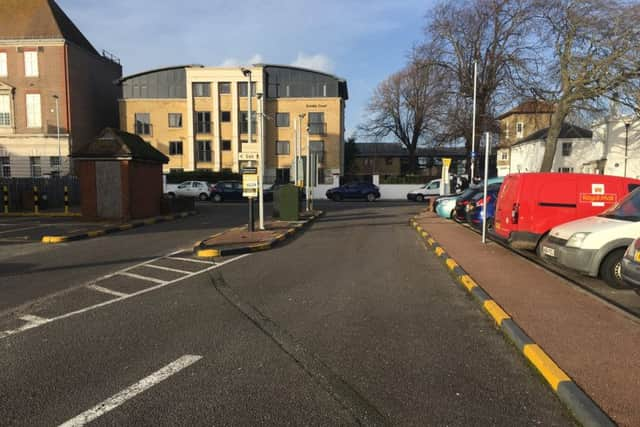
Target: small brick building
[120,176]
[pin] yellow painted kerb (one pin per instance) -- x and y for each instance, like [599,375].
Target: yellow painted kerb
[430,241]
[468,282]
[439,251]
[451,264]
[208,253]
[95,233]
[54,239]
[495,311]
[547,367]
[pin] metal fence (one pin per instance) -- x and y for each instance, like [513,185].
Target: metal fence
[50,191]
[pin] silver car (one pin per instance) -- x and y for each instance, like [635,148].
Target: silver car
[630,270]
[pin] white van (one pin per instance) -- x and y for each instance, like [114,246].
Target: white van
[595,245]
[430,189]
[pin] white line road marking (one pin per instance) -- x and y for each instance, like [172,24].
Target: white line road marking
[175,270]
[107,291]
[21,229]
[132,391]
[137,276]
[28,326]
[36,320]
[191,260]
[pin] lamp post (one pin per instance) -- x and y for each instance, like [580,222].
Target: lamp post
[58,132]
[261,163]
[627,123]
[247,74]
[473,128]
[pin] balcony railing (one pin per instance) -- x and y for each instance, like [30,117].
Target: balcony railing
[203,127]
[317,129]
[244,127]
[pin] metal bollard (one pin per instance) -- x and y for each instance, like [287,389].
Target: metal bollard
[36,200]
[5,199]
[66,199]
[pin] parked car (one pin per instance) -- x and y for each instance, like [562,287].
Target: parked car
[430,189]
[630,270]
[462,203]
[226,191]
[199,189]
[596,245]
[445,205]
[357,190]
[531,204]
[475,212]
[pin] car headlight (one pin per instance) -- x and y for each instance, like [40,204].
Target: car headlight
[576,240]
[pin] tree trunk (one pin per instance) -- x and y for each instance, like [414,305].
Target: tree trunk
[412,160]
[550,146]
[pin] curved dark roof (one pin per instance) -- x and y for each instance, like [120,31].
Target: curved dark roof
[567,131]
[155,70]
[293,67]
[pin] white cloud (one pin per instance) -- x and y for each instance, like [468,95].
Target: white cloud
[234,62]
[320,62]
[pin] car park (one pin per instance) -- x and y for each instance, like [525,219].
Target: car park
[531,204]
[462,203]
[630,267]
[596,245]
[430,189]
[198,189]
[357,190]
[476,209]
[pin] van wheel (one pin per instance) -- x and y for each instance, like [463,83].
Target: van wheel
[611,267]
[217,198]
[171,195]
[419,198]
[203,197]
[371,197]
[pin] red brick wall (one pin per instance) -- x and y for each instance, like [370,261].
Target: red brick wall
[145,189]
[87,173]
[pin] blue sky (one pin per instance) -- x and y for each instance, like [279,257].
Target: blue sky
[361,41]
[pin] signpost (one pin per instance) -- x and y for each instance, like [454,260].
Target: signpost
[249,168]
[486,179]
[444,179]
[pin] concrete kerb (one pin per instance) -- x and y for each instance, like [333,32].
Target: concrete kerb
[584,409]
[202,250]
[109,230]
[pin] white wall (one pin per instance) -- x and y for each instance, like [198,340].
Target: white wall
[527,157]
[612,135]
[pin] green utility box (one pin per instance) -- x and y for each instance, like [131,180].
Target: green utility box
[286,203]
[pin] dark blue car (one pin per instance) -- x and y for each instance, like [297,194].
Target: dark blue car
[475,207]
[357,190]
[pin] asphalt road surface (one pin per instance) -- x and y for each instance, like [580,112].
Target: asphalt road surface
[352,322]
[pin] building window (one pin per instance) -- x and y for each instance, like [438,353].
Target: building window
[316,124]
[282,120]
[54,163]
[282,147]
[175,120]
[204,151]
[3,64]
[34,113]
[201,89]
[566,149]
[317,148]
[504,155]
[224,88]
[143,123]
[242,89]
[519,129]
[226,145]
[36,167]
[283,175]
[5,167]
[422,162]
[203,122]
[175,148]
[565,170]
[31,63]
[244,127]
[5,110]
[225,116]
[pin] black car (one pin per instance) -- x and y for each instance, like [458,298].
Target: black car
[357,190]
[462,203]
[225,191]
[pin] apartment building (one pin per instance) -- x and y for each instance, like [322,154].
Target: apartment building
[198,116]
[45,58]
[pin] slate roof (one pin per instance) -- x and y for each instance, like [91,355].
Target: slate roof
[567,131]
[531,106]
[393,149]
[114,143]
[39,19]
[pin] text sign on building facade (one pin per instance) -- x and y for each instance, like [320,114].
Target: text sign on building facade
[248,157]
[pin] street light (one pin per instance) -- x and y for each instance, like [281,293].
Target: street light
[473,128]
[247,73]
[627,123]
[58,132]
[261,163]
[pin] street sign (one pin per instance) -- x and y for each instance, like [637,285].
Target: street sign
[249,170]
[250,185]
[446,161]
[249,157]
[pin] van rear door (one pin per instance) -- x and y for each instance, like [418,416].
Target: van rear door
[506,198]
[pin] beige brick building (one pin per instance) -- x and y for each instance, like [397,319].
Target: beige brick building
[198,116]
[44,56]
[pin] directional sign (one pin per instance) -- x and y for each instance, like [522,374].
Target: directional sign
[250,185]
[248,157]
[249,171]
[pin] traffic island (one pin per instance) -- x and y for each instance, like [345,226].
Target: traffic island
[239,240]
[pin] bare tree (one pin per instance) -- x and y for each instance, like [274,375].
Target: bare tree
[493,33]
[595,54]
[406,106]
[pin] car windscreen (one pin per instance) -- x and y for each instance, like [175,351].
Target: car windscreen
[628,209]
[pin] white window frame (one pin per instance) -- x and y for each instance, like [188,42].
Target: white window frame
[31,63]
[34,111]
[8,109]
[4,72]
[519,129]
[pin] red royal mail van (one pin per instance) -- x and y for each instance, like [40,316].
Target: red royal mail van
[531,204]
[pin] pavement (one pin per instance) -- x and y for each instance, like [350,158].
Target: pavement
[351,323]
[595,343]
